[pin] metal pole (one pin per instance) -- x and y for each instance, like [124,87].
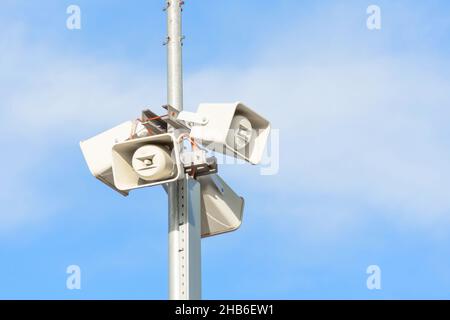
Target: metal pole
[174,55]
[184,195]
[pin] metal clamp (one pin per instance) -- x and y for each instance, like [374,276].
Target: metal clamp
[196,163]
[192,119]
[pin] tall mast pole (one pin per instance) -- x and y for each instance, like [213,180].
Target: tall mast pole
[184,195]
[174,54]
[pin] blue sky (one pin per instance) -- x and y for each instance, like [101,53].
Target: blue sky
[364,147]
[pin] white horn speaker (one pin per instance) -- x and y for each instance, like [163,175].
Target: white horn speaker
[221,207]
[97,152]
[233,129]
[146,162]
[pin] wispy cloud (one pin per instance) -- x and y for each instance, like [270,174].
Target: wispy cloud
[356,124]
[50,98]
[361,120]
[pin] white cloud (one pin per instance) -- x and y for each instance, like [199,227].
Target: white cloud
[361,121]
[49,98]
[370,130]
[354,125]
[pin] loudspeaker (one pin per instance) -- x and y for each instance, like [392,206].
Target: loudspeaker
[97,152]
[233,129]
[146,162]
[221,207]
